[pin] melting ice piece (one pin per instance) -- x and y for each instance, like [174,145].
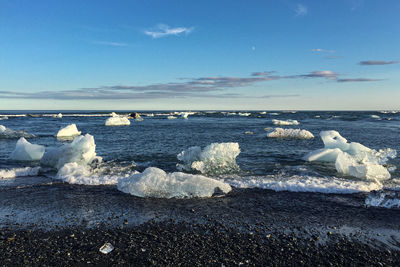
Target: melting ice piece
[68,131]
[216,158]
[154,182]
[352,159]
[19,172]
[184,115]
[171,117]
[285,123]
[25,151]
[106,248]
[385,199]
[59,115]
[82,151]
[117,121]
[9,133]
[290,133]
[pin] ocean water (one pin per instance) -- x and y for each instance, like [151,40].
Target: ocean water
[250,159]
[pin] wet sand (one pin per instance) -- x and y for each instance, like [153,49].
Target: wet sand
[66,225]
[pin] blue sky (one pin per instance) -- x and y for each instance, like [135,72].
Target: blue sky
[264,55]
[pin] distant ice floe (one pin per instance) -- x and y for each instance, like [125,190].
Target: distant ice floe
[214,159]
[156,183]
[375,117]
[117,121]
[9,133]
[3,117]
[68,132]
[244,114]
[25,151]
[171,117]
[285,123]
[384,199]
[353,158]
[289,133]
[249,132]
[82,150]
[19,172]
[303,183]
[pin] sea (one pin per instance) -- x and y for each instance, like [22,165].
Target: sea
[193,154]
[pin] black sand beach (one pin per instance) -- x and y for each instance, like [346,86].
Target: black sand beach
[246,227]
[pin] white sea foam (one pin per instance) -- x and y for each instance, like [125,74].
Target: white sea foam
[216,158]
[25,151]
[301,183]
[9,133]
[68,131]
[117,121]
[154,182]
[285,123]
[82,150]
[19,172]
[289,133]
[353,158]
[385,199]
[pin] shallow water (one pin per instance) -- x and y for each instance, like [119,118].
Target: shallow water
[271,163]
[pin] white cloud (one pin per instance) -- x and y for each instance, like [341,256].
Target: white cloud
[301,10]
[323,50]
[163,30]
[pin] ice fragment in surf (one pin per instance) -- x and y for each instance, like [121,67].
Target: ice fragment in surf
[216,158]
[385,199]
[106,248]
[290,133]
[154,182]
[25,151]
[68,131]
[285,123]
[117,121]
[171,117]
[19,172]
[353,158]
[9,133]
[82,150]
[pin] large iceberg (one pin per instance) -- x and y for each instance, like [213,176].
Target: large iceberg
[154,182]
[353,158]
[9,133]
[289,133]
[285,123]
[25,151]
[82,150]
[215,159]
[68,132]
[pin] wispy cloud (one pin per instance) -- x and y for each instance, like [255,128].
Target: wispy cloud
[327,74]
[301,10]
[163,30]
[263,73]
[207,87]
[377,62]
[358,80]
[107,43]
[322,50]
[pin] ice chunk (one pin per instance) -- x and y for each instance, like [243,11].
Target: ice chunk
[9,133]
[385,199]
[285,123]
[25,151]
[216,158]
[290,133]
[154,182]
[117,121]
[106,248]
[82,150]
[171,117]
[68,131]
[244,114]
[353,158]
[59,115]
[19,172]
